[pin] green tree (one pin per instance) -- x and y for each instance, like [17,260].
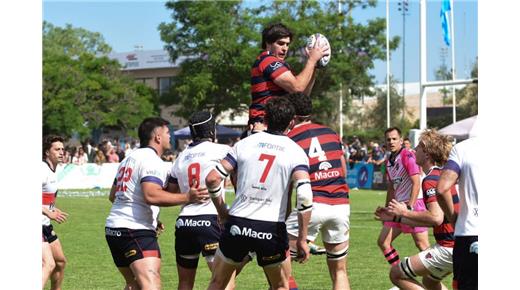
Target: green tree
[378,115]
[223,38]
[83,90]
[442,74]
[467,97]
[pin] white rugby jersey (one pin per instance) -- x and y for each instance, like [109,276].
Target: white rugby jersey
[464,160]
[195,162]
[49,190]
[129,209]
[264,163]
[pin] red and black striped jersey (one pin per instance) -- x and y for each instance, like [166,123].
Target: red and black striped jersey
[443,233]
[263,73]
[323,148]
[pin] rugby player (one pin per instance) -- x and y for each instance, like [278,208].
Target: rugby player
[436,262]
[265,164]
[271,76]
[136,194]
[53,258]
[463,166]
[331,206]
[403,178]
[197,228]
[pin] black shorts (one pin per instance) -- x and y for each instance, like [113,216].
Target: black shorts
[127,245]
[48,234]
[193,235]
[465,264]
[267,239]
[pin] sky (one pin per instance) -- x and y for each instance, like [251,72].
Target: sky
[127,24]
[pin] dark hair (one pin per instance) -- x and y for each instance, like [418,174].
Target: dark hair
[147,127]
[47,143]
[302,104]
[273,32]
[202,125]
[278,114]
[406,139]
[392,129]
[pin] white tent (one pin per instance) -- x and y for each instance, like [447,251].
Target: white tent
[461,129]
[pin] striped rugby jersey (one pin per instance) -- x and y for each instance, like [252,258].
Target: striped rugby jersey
[443,233]
[398,172]
[263,73]
[323,148]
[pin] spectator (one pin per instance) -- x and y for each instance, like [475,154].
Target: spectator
[408,145]
[80,157]
[120,153]
[131,147]
[100,157]
[377,156]
[90,150]
[112,156]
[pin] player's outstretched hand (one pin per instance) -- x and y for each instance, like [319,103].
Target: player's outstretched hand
[198,194]
[382,214]
[58,215]
[303,251]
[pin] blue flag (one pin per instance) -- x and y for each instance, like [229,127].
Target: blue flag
[445,8]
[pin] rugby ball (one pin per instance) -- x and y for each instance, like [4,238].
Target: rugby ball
[320,40]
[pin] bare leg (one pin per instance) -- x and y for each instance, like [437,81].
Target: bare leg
[421,240]
[147,272]
[131,283]
[338,267]
[59,271]
[222,273]
[186,277]
[48,263]
[386,237]
[277,276]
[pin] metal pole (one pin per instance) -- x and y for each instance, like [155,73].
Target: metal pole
[387,64]
[452,32]
[422,65]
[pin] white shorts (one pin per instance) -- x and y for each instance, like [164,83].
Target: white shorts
[438,260]
[332,220]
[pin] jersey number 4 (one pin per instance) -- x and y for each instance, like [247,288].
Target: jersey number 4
[316,151]
[270,160]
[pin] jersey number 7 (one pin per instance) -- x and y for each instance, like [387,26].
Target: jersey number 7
[270,160]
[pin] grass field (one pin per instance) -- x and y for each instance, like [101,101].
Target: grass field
[90,264]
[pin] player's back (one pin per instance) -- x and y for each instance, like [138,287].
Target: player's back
[323,148]
[129,209]
[193,165]
[264,163]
